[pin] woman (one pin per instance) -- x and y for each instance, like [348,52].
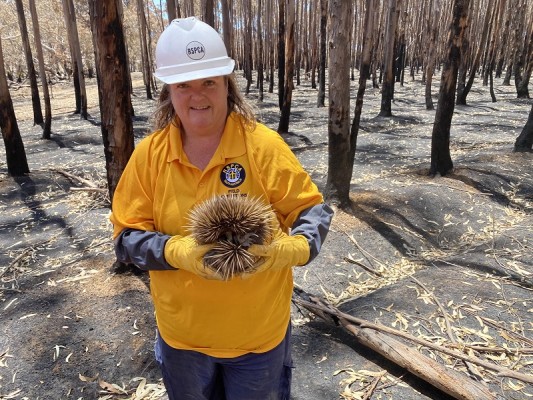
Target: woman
[216,339]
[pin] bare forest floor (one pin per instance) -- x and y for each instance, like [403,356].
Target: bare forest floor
[440,258]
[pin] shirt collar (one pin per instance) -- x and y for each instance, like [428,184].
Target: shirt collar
[231,144]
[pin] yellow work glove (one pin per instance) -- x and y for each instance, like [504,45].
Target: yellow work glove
[183,252]
[283,252]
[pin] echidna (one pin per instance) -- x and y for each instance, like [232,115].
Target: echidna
[233,224]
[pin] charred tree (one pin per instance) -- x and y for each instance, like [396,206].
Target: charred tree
[432,28]
[226,27]
[17,164]
[171,10]
[145,58]
[281,53]
[322,54]
[208,12]
[341,142]
[114,88]
[259,62]
[47,127]
[524,142]
[271,44]
[75,52]
[462,93]
[288,84]
[387,90]
[35,100]
[522,85]
[520,49]
[441,161]
[248,44]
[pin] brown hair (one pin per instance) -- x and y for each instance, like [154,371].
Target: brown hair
[165,114]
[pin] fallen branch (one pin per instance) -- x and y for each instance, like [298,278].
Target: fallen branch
[496,325]
[367,269]
[372,387]
[449,330]
[89,189]
[372,335]
[76,178]
[15,261]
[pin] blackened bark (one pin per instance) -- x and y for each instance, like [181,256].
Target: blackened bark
[114,87]
[171,10]
[491,86]
[35,100]
[208,11]
[441,161]
[341,148]
[289,69]
[524,142]
[47,126]
[321,98]
[387,91]
[465,89]
[145,59]
[17,164]
[260,63]
[281,53]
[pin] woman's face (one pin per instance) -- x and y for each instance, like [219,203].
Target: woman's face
[201,105]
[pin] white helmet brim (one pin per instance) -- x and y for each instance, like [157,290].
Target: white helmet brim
[196,70]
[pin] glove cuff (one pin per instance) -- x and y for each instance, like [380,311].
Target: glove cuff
[303,250]
[171,251]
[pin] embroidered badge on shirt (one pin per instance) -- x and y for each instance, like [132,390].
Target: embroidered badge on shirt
[232,175]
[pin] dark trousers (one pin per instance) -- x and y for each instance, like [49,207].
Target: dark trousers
[254,376]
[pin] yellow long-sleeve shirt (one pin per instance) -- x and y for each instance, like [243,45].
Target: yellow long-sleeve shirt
[155,193]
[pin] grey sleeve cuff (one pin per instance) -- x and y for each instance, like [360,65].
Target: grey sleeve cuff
[313,223]
[143,248]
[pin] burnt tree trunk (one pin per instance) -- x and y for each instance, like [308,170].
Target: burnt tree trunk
[226,27]
[248,44]
[314,42]
[281,53]
[524,142]
[432,28]
[171,10]
[441,161]
[522,90]
[464,90]
[17,164]
[208,12]
[114,87]
[271,43]
[260,60]
[47,127]
[75,52]
[35,100]
[341,145]
[322,54]
[288,84]
[387,90]
[145,59]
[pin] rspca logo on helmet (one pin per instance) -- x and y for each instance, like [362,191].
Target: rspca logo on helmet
[232,175]
[195,50]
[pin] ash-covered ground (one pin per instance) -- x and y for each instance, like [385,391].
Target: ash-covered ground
[445,259]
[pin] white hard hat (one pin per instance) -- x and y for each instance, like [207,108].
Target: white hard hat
[190,49]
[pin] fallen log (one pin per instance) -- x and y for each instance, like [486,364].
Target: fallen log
[374,336]
[449,381]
